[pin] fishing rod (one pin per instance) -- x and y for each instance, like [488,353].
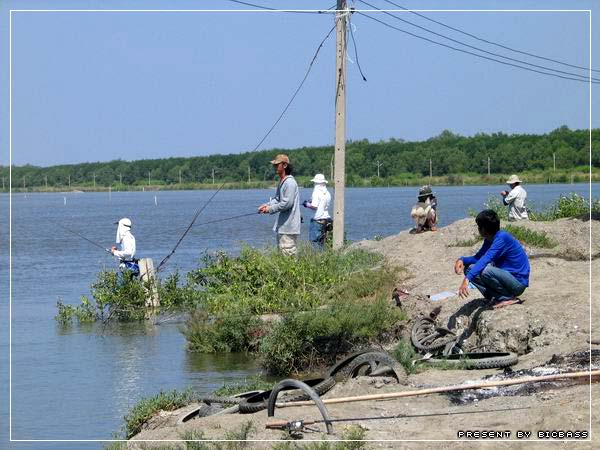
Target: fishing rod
[212,221]
[299,425]
[82,237]
[187,230]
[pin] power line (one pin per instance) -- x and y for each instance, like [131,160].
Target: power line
[585,78]
[473,54]
[297,89]
[356,52]
[458,30]
[275,9]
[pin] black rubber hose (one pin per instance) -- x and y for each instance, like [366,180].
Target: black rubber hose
[477,360]
[286,384]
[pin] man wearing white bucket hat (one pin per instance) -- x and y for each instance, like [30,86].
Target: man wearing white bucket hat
[515,199]
[320,200]
[126,256]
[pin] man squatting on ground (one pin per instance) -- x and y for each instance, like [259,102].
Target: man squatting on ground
[515,199]
[500,269]
[287,205]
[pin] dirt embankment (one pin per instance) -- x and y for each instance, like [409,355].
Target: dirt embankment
[559,310]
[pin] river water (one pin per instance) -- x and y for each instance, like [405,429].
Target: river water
[78,382]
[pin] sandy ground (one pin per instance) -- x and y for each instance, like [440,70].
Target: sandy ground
[556,318]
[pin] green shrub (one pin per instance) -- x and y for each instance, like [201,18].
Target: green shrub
[406,355]
[530,237]
[147,407]
[266,282]
[304,341]
[228,332]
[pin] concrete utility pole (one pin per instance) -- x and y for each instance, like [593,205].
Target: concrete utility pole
[120,178]
[69,181]
[378,164]
[23,182]
[94,180]
[488,166]
[179,176]
[213,175]
[3,182]
[248,174]
[554,159]
[340,125]
[148,178]
[45,181]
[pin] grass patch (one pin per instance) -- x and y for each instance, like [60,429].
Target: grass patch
[530,237]
[352,438]
[253,384]
[572,206]
[238,439]
[266,282]
[354,284]
[466,242]
[304,341]
[406,355]
[147,407]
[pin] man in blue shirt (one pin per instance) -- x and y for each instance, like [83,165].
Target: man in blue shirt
[500,269]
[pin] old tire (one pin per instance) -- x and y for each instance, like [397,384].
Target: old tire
[319,385]
[426,336]
[336,370]
[476,360]
[373,362]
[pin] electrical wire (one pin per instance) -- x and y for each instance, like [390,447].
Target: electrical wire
[275,9]
[458,30]
[585,78]
[356,53]
[296,91]
[474,54]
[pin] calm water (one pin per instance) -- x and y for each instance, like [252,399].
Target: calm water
[77,383]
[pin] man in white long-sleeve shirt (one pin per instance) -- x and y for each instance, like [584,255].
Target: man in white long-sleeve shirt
[515,199]
[127,242]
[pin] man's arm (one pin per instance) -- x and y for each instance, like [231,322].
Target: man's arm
[494,249]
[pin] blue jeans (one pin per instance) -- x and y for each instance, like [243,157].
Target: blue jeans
[316,233]
[496,284]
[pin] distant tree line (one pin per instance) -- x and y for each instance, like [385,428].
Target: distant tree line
[451,155]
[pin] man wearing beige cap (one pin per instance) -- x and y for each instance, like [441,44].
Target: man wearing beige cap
[515,199]
[287,204]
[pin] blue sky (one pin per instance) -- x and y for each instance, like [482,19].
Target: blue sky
[98,86]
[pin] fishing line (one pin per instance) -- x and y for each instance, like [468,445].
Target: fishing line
[187,230]
[81,236]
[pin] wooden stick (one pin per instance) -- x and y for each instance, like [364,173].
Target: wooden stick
[437,390]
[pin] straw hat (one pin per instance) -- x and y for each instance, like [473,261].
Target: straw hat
[281,159]
[513,179]
[319,179]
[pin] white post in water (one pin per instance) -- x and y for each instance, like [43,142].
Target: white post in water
[155,201]
[148,277]
[65,201]
[340,125]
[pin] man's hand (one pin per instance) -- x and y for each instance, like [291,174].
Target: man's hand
[463,290]
[113,249]
[263,209]
[504,193]
[459,267]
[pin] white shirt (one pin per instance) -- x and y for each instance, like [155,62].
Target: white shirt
[127,251]
[320,200]
[516,203]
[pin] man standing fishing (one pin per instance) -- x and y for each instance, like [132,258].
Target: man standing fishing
[126,240]
[287,205]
